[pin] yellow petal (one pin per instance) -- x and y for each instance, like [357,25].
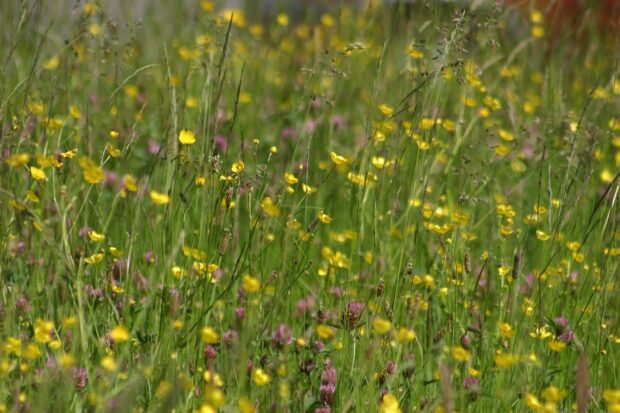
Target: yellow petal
[187,137]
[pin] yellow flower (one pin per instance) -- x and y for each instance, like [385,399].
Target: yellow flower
[69,322]
[178,324]
[378,137]
[109,364]
[206,408]
[269,208]
[37,174]
[426,123]
[427,280]
[448,125]
[177,272]
[612,396]
[187,137]
[506,330]
[282,19]
[245,97]
[556,345]
[131,90]
[130,183]
[415,53]
[94,259]
[214,396]
[209,336]
[461,354]
[12,345]
[538,31]
[93,174]
[260,377]
[75,112]
[606,176]
[52,63]
[308,189]
[36,107]
[250,284]
[378,162]
[94,29]
[338,159]
[32,351]
[324,218]
[66,361]
[505,230]
[245,405]
[533,403]
[113,151]
[69,154]
[213,378]
[553,394]
[256,30]
[90,8]
[191,102]
[18,159]
[505,135]
[502,150]
[405,335]
[541,235]
[325,332]
[158,198]
[116,252]
[207,5]
[47,161]
[389,404]
[381,325]
[16,204]
[386,109]
[43,330]
[119,334]
[32,197]
[95,236]
[541,333]
[290,179]
[55,344]
[504,361]
[238,167]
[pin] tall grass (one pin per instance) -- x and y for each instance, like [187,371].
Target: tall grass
[371,209]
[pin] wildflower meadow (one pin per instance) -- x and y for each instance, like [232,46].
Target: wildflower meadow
[371,206]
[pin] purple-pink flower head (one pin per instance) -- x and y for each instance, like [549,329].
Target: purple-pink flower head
[282,335]
[289,134]
[153,147]
[240,313]
[304,305]
[120,267]
[326,392]
[221,142]
[329,375]
[471,382]
[352,314]
[338,122]
[210,352]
